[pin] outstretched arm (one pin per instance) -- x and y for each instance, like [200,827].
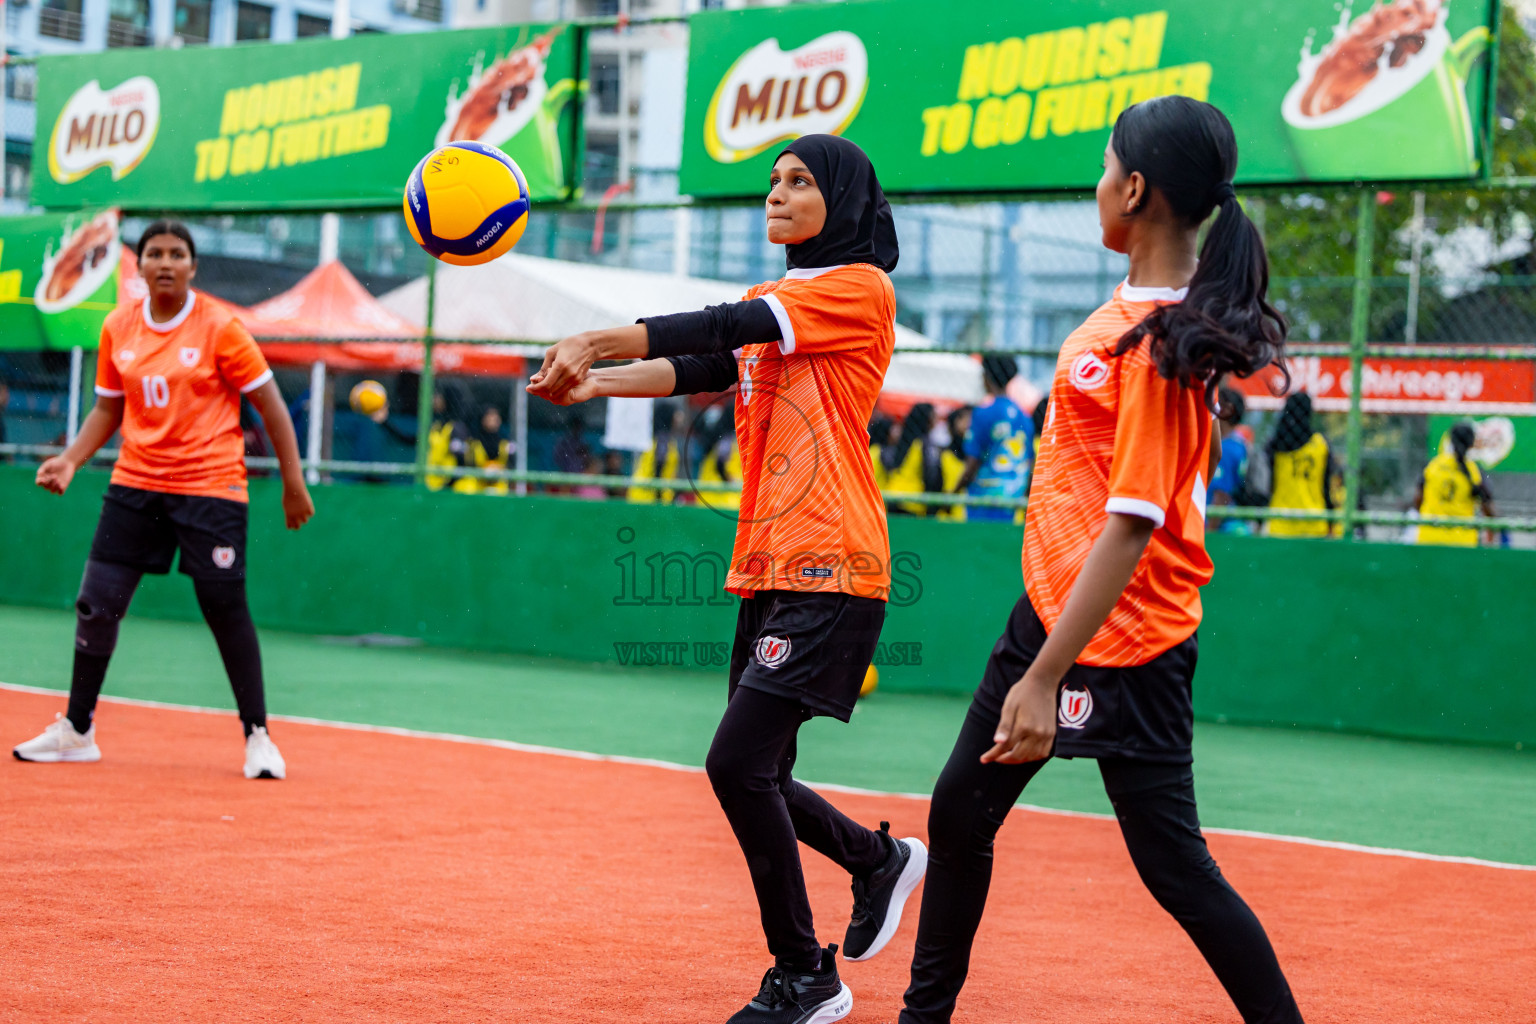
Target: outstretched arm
[105,417]
[710,331]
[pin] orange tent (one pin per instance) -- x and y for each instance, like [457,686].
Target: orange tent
[329,303]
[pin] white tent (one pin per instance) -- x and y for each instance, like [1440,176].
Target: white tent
[541,300]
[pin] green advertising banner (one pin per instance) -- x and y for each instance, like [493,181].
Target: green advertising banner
[983,96]
[311,124]
[58,279]
[1504,443]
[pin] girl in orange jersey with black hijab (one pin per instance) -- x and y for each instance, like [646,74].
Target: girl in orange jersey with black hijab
[812,558]
[1097,657]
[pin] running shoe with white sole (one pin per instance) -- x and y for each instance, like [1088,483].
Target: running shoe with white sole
[262,761]
[878,898]
[60,742]
[799,997]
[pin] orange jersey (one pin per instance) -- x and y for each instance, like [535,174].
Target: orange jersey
[1120,438]
[181,383]
[811,515]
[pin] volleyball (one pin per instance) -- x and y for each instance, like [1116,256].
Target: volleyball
[368,397]
[466,203]
[871,680]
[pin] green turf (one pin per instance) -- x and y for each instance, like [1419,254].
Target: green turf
[1446,799]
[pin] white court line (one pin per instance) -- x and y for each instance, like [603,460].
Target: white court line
[831,787]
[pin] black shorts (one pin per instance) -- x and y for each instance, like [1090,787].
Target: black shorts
[810,647]
[1142,712]
[143,530]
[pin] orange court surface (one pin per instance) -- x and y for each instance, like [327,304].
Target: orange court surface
[396,878]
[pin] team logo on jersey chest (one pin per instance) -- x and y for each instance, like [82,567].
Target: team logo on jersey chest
[1089,371]
[772,651]
[125,356]
[1076,706]
[223,557]
[189,356]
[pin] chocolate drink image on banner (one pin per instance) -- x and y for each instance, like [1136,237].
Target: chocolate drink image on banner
[510,100]
[1390,86]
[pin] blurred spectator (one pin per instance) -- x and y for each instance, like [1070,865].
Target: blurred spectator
[571,451]
[1000,446]
[949,436]
[1302,470]
[720,461]
[1232,470]
[448,442]
[663,459]
[256,446]
[882,435]
[491,448]
[613,465]
[591,492]
[1038,417]
[1453,485]
[905,461]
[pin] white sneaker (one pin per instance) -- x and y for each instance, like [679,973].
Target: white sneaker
[262,761]
[60,742]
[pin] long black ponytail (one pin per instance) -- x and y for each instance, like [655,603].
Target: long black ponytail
[1186,150]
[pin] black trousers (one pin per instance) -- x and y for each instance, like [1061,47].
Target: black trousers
[749,765]
[1155,806]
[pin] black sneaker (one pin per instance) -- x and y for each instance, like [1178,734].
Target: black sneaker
[879,897]
[796,997]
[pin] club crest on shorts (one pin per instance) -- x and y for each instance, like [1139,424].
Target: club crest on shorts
[223,557]
[1076,706]
[1089,371]
[772,651]
[189,356]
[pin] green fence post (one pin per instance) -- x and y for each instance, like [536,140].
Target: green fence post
[424,392]
[1359,327]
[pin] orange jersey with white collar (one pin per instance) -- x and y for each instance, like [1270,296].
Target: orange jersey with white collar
[812,517]
[181,383]
[1121,438]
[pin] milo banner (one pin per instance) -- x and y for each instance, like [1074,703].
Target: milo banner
[317,123]
[1504,443]
[58,279]
[980,96]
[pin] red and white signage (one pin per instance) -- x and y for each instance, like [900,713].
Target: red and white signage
[1470,386]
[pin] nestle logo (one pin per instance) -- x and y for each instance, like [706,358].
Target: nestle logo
[811,60]
[495,230]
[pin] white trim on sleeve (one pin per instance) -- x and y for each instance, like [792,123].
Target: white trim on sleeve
[787,329]
[258,382]
[1136,507]
[108,392]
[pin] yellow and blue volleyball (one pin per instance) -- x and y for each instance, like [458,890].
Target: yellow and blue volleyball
[466,203]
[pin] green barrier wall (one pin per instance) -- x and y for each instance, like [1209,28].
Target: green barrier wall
[1426,642]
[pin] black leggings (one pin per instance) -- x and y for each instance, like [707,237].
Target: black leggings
[749,765]
[105,593]
[1155,805]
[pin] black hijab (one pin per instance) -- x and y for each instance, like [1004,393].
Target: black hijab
[859,227]
[1295,426]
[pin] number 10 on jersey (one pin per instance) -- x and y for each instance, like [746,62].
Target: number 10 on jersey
[157,393]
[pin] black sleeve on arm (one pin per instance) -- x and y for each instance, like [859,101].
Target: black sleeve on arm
[704,374]
[721,328]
